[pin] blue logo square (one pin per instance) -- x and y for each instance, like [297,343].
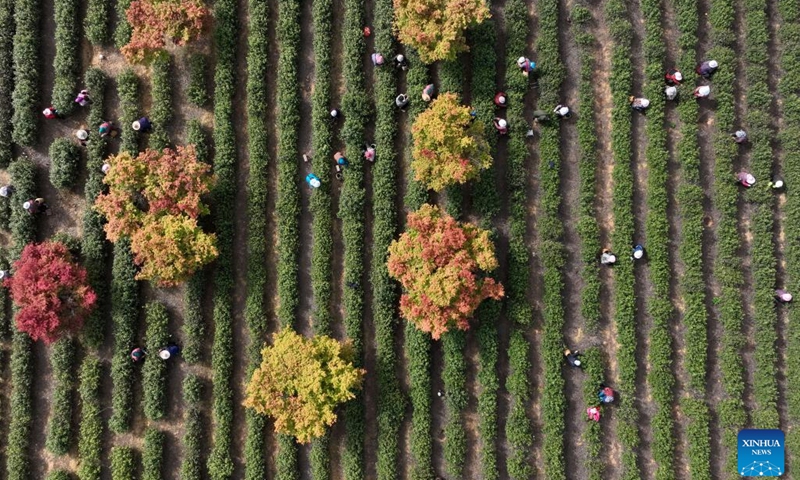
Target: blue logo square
[761,453]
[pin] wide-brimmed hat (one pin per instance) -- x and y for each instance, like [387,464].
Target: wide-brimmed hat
[713,64]
[82,134]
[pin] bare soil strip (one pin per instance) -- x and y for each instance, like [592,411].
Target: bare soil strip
[605,218]
[240,259]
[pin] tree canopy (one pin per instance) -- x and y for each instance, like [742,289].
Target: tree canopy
[440,264]
[155,199]
[154,21]
[449,146]
[300,382]
[435,28]
[51,291]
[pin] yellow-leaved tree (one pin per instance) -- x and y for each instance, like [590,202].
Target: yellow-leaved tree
[449,146]
[435,28]
[300,382]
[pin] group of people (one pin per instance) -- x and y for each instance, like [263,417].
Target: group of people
[605,393]
[165,353]
[608,258]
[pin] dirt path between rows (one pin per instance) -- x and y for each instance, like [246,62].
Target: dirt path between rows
[604,212]
[241,338]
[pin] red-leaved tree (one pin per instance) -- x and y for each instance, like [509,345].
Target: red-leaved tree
[155,200]
[51,291]
[154,21]
[441,263]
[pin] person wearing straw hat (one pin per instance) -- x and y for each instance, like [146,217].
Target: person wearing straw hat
[673,77]
[783,296]
[707,68]
[671,92]
[638,252]
[739,136]
[746,179]
[525,65]
[607,258]
[777,183]
[34,206]
[703,91]
[500,99]
[400,62]
[50,113]
[639,104]
[428,92]
[501,125]
[6,191]
[572,358]
[562,111]
[82,135]
[313,180]
[143,125]
[168,352]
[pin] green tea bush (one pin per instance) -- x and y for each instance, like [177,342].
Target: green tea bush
[23,224]
[124,314]
[6,79]
[197,91]
[27,14]
[97,23]
[624,317]
[18,462]
[161,110]
[65,158]
[67,61]
[220,464]
[789,136]
[154,370]
[357,111]
[90,442]
[153,456]
[59,425]
[128,90]
[192,467]
[255,308]
[123,463]
[93,247]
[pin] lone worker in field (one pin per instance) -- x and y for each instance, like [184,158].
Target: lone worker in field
[638,252]
[673,77]
[83,98]
[562,111]
[137,355]
[168,352]
[82,136]
[334,114]
[593,413]
[746,179]
[525,65]
[50,113]
[105,168]
[428,92]
[671,92]
[739,136]
[400,62]
[143,125]
[572,358]
[606,394]
[707,68]
[340,159]
[607,258]
[639,104]
[501,125]
[6,191]
[377,59]
[783,296]
[776,183]
[401,101]
[106,129]
[313,180]
[703,91]
[369,153]
[500,100]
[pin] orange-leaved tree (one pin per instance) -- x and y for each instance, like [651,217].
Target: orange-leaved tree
[154,199]
[441,265]
[154,21]
[300,382]
[435,28]
[51,290]
[449,147]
